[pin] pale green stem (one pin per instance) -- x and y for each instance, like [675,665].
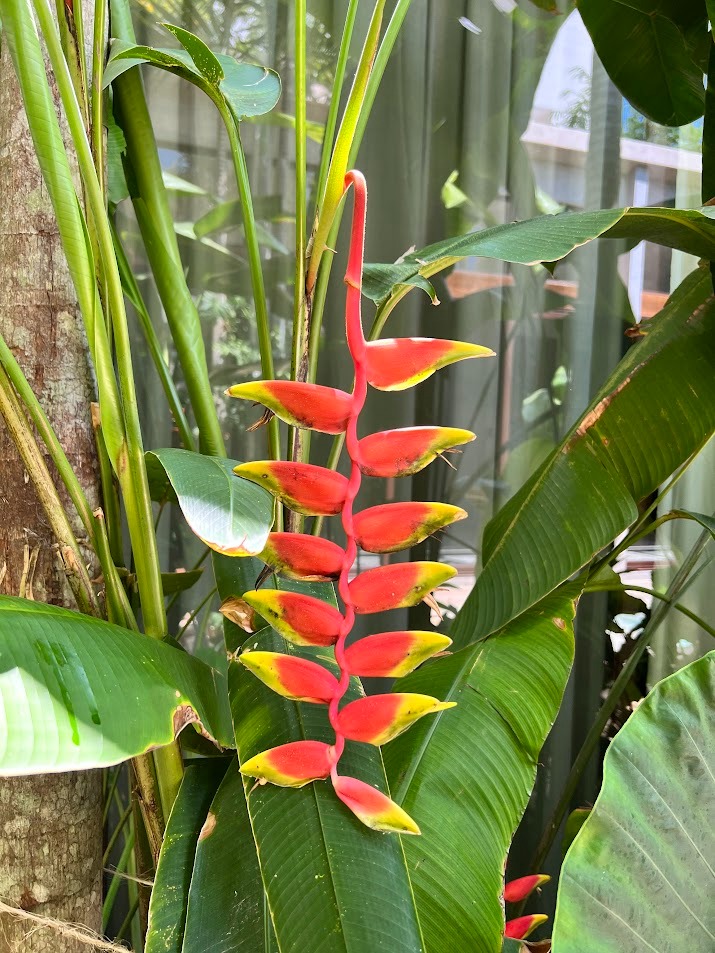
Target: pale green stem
[116,881]
[99,47]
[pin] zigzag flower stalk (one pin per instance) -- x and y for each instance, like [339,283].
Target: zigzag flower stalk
[315,491]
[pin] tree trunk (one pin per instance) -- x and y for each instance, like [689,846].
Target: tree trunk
[50,825]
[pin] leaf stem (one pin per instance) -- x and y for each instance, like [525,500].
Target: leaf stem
[627,587]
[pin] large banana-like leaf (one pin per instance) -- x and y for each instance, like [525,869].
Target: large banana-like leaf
[170,894]
[226,911]
[640,875]
[76,692]
[546,239]
[467,773]
[656,409]
[331,883]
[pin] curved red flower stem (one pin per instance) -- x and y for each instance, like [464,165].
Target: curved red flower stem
[357,347]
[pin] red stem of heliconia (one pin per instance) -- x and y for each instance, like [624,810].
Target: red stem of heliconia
[356,345]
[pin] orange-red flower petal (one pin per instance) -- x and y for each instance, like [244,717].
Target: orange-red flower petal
[522,927]
[397,453]
[300,556]
[292,765]
[299,404]
[301,619]
[374,808]
[377,719]
[397,586]
[517,890]
[305,488]
[398,363]
[394,526]
[393,654]
[294,678]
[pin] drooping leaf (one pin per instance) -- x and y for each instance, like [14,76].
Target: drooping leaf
[325,874]
[248,90]
[640,874]
[230,515]
[641,426]
[226,910]
[179,581]
[204,60]
[465,775]
[650,49]
[170,894]
[550,238]
[80,693]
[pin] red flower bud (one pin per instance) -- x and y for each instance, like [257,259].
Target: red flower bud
[517,890]
[292,765]
[522,927]
[397,453]
[299,556]
[378,719]
[305,488]
[300,619]
[397,586]
[399,363]
[394,526]
[311,406]
[374,808]
[294,678]
[393,654]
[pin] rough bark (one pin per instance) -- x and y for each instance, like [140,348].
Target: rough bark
[51,825]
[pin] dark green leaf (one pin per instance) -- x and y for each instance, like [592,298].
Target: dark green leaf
[81,693]
[550,238]
[648,48]
[230,515]
[249,90]
[326,875]
[170,894]
[466,774]
[226,900]
[655,410]
[172,582]
[204,60]
[641,873]
[574,823]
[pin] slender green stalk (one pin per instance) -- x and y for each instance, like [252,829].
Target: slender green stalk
[116,833]
[614,694]
[127,921]
[196,611]
[116,881]
[626,587]
[263,327]
[334,109]
[110,494]
[109,793]
[70,553]
[99,49]
[131,289]
[299,441]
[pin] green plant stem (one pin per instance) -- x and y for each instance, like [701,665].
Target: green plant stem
[70,553]
[299,442]
[149,803]
[263,327]
[116,880]
[197,565]
[131,289]
[109,793]
[616,691]
[127,922]
[99,47]
[110,496]
[116,834]
[661,596]
[196,611]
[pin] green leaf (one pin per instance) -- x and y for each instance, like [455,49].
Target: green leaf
[649,49]
[170,894]
[550,238]
[644,422]
[707,522]
[247,89]
[229,215]
[226,910]
[230,515]
[574,823]
[174,183]
[325,874]
[204,60]
[641,873]
[81,693]
[466,774]
[179,581]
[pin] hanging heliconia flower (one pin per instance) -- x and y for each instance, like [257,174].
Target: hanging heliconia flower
[393,364]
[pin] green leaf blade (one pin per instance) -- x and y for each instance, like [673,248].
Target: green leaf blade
[641,872]
[79,693]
